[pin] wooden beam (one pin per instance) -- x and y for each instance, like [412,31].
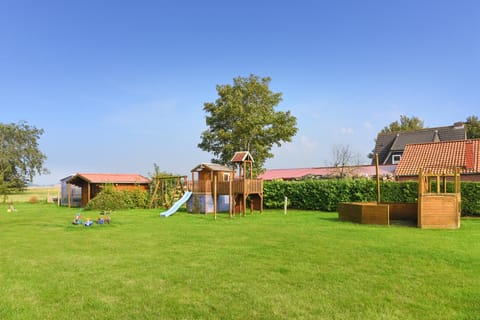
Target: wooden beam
[69,189]
[230,196]
[378,178]
[215,197]
[88,192]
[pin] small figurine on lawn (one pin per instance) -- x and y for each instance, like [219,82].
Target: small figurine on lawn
[88,223]
[77,219]
[11,208]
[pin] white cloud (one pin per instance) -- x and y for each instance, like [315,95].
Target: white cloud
[368,125]
[346,130]
[308,144]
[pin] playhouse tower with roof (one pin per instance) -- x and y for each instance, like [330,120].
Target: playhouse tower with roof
[218,188]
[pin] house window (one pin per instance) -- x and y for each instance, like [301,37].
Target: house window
[226,177]
[396,158]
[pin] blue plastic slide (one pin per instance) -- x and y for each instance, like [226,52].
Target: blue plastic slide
[176,205]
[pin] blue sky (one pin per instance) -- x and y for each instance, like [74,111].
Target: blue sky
[120,85]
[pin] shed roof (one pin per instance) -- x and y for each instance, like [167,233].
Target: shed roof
[241,156]
[211,167]
[440,157]
[109,178]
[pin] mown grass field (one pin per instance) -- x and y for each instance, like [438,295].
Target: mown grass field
[305,265]
[34,194]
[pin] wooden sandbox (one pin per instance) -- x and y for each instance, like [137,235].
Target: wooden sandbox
[436,209]
[377,213]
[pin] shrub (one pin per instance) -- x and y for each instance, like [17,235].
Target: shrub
[325,195]
[33,199]
[470,198]
[112,199]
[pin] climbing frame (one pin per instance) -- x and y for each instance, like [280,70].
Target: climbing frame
[438,208]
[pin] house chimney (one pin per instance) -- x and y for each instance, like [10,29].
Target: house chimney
[436,138]
[458,125]
[469,159]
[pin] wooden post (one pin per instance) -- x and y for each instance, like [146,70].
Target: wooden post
[154,194]
[421,183]
[215,197]
[68,194]
[244,195]
[378,178]
[88,192]
[230,197]
[261,197]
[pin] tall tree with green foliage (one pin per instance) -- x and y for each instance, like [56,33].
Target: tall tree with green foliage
[20,156]
[473,127]
[243,118]
[405,124]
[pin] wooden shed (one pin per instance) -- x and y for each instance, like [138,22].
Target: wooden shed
[92,183]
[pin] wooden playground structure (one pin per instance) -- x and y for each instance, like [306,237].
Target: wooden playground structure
[220,188]
[437,207]
[166,190]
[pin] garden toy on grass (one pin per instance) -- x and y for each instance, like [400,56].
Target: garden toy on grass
[88,223]
[11,208]
[102,220]
[77,219]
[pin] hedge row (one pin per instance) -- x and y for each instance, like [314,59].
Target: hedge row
[324,195]
[112,199]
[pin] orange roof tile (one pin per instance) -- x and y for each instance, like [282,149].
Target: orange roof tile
[440,157]
[111,178]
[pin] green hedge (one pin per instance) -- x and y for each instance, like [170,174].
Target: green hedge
[112,199]
[325,195]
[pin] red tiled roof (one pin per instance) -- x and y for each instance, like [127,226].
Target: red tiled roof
[241,156]
[298,173]
[439,157]
[111,178]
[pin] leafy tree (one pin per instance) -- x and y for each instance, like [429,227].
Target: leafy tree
[20,156]
[405,124]
[243,118]
[473,127]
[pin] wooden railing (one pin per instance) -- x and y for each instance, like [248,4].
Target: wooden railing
[223,187]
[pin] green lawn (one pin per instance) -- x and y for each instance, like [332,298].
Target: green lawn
[305,265]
